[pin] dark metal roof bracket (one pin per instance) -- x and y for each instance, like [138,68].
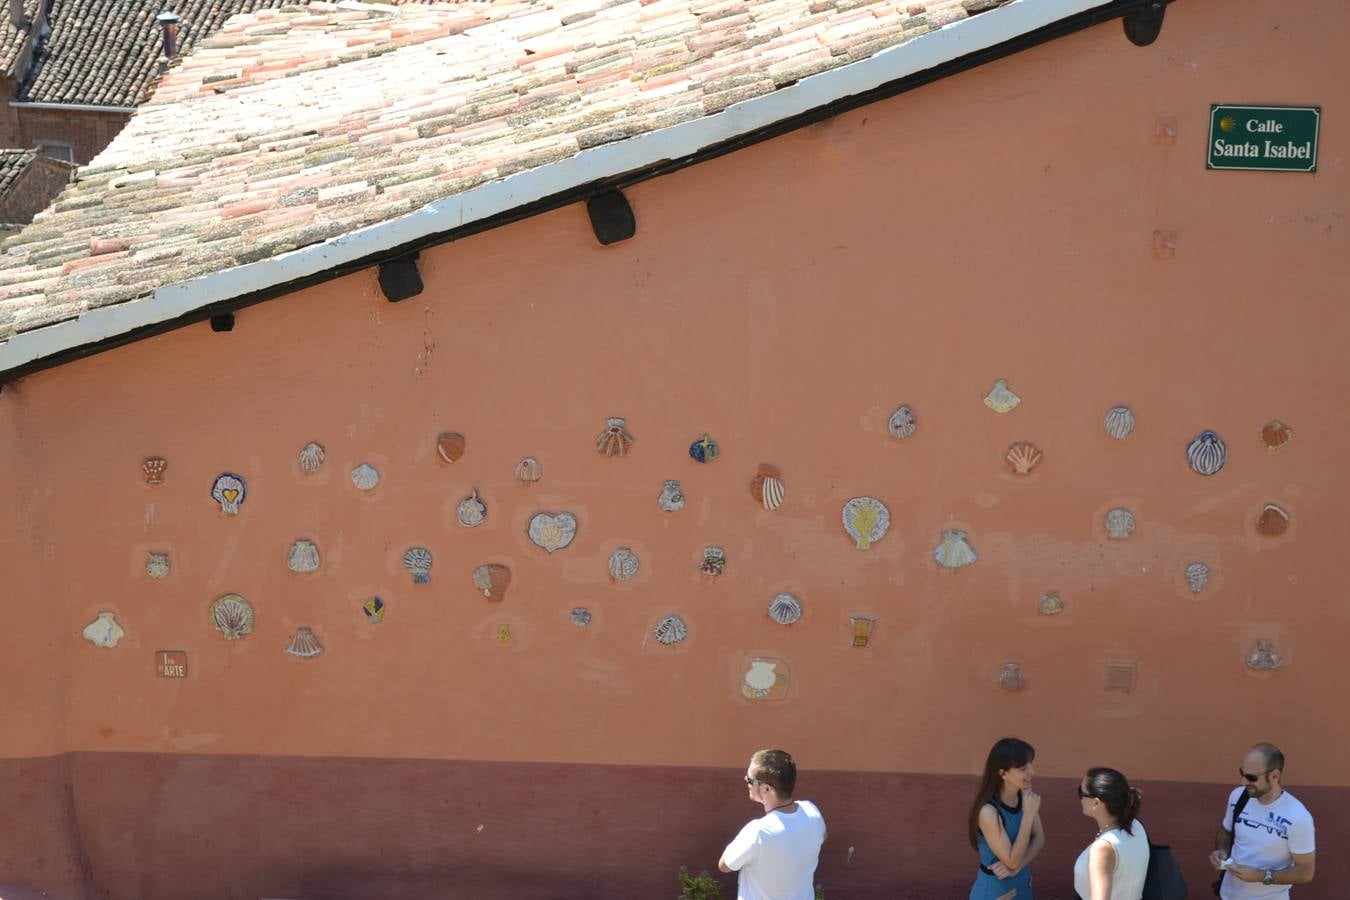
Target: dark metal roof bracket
[1143,20]
[1144,24]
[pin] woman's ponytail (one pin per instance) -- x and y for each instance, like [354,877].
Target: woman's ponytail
[1131,813]
[1121,800]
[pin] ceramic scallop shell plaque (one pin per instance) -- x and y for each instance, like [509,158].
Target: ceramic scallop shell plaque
[714,560]
[670,630]
[1051,604]
[614,440]
[365,477]
[580,617]
[418,563]
[153,469]
[623,564]
[1207,453]
[304,644]
[1273,520]
[765,679]
[767,487]
[528,471]
[450,446]
[374,610]
[953,552]
[1119,523]
[785,609]
[104,631]
[902,423]
[233,616]
[311,457]
[157,564]
[1022,457]
[866,519]
[553,531]
[304,557]
[1012,677]
[1000,399]
[492,580]
[229,491]
[704,450]
[1119,422]
[672,496]
[472,511]
[1275,434]
[1265,655]
[1196,576]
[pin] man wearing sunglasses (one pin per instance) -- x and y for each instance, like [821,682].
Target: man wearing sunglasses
[1267,834]
[776,854]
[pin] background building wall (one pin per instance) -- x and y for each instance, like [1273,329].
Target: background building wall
[34,189]
[86,132]
[784,299]
[9,116]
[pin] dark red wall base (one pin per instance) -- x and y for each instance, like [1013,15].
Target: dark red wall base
[128,826]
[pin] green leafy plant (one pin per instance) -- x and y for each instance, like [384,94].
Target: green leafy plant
[698,887]
[820,893]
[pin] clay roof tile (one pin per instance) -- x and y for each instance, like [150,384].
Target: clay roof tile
[289,126]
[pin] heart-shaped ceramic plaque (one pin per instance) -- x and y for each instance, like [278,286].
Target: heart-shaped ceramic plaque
[553,531]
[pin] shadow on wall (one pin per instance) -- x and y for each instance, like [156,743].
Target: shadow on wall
[15,892]
[182,827]
[446,880]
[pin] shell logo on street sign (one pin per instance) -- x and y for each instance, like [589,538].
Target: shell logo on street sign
[1263,138]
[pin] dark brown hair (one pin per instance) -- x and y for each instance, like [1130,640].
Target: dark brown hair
[1007,753]
[1272,755]
[776,769]
[1121,800]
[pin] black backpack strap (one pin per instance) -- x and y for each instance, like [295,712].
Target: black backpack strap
[1232,832]
[1237,811]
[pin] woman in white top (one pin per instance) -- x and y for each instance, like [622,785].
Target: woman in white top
[1114,864]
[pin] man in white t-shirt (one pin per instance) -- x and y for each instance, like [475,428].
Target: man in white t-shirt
[1271,843]
[776,854]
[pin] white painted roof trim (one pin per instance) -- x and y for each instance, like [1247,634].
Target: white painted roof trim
[917,55]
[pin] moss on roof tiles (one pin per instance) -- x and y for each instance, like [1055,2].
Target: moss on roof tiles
[411,106]
[105,53]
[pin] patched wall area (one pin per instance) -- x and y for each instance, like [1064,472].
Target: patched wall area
[1013,255]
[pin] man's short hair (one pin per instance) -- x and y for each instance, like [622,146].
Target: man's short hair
[1272,755]
[776,769]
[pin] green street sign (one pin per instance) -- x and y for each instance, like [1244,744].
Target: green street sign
[1263,138]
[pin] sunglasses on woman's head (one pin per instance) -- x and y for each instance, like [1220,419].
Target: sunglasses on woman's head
[1082,794]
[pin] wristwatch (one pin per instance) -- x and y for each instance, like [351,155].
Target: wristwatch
[1270,877]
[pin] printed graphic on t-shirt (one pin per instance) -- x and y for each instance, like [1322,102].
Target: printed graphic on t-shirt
[1273,824]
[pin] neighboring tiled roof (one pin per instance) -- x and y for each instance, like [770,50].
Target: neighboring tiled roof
[289,127]
[12,40]
[106,52]
[12,164]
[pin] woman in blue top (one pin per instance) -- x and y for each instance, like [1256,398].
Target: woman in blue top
[1005,823]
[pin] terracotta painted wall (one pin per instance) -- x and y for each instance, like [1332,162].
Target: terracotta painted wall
[786,300]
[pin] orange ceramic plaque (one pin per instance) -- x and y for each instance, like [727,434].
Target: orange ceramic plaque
[171,663]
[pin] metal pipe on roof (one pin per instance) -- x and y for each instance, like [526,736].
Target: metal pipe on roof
[168,21]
